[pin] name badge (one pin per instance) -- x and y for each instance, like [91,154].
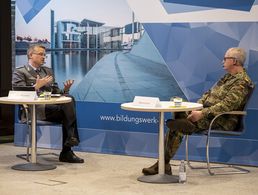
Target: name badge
[146,101]
[23,95]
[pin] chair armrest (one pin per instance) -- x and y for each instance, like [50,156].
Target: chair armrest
[226,113]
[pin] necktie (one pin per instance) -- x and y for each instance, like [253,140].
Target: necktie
[40,72]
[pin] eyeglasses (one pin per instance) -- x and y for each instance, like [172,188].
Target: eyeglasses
[40,54]
[225,58]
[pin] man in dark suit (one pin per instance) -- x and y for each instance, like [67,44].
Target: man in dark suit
[42,79]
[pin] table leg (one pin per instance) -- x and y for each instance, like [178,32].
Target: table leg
[33,165]
[161,177]
[33,135]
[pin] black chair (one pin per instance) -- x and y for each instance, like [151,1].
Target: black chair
[236,132]
[28,133]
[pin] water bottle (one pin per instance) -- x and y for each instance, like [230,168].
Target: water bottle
[182,172]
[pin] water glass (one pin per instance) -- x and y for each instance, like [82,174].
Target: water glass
[177,101]
[47,95]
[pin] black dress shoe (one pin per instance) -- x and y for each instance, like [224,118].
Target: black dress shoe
[154,169]
[72,141]
[70,157]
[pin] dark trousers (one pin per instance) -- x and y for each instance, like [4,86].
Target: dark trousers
[66,115]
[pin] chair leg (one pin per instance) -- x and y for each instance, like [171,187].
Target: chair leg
[28,154]
[28,150]
[208,155]
[187,154]
[187,151]
[209,167]
[28,143]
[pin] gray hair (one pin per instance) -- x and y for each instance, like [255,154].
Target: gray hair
[239,54]
[31,49]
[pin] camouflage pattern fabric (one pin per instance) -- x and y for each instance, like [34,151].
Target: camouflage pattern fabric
[172,142]
[228,94]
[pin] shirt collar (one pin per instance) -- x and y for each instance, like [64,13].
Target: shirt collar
[34,67]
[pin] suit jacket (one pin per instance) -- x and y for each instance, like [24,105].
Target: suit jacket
[26,76]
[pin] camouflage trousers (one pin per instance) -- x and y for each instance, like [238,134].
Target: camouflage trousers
[178,127]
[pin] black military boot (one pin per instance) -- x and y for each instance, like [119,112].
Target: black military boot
[154,169]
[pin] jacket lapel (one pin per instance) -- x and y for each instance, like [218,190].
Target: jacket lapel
[31,70]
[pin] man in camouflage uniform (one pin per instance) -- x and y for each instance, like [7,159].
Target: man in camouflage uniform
[228,94]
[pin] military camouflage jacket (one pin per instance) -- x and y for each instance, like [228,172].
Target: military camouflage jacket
[228,94]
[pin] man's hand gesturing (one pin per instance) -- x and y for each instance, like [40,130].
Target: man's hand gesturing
[40,82]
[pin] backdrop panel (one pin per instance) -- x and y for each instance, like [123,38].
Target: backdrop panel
[114,57]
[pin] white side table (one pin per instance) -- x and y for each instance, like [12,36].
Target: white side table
[34,165]
[166,106]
